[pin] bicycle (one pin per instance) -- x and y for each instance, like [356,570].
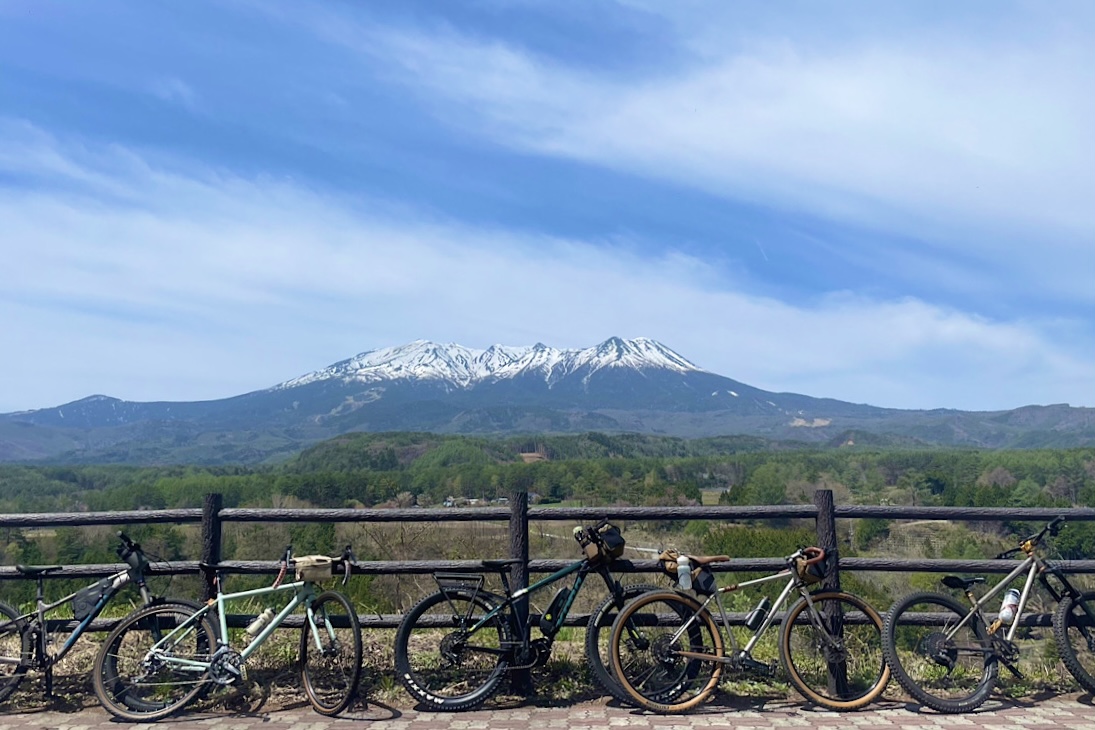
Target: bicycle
[947,655]
[33,641]
[668,652]
[453,649]
[162,658]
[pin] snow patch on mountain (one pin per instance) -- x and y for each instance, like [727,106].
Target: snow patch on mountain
[464,367]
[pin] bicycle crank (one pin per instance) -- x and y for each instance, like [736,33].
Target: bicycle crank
[226,667]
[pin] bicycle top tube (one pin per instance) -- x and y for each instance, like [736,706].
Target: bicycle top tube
[556,576]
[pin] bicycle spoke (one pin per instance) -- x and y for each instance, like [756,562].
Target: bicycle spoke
[653,664]
[147,669]
[439,662]
[832,650]
[944,663]
[1074,630]
[330,654]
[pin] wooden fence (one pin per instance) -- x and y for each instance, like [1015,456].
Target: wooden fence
[212,516]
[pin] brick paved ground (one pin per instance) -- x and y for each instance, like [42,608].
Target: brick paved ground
[1072,712]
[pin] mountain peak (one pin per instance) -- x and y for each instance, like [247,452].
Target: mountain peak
[464,367]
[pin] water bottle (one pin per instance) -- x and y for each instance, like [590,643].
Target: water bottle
[1011,603]
[684,573]
[255,627]
[757,615]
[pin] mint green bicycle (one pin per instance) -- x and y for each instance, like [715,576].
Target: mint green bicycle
[161,658]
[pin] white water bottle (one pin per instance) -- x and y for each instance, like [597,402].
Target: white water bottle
[255,627]
[684,573]
[1011,603]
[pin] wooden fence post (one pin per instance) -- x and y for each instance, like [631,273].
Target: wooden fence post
[211,540]
[520,679]
[827,541]
[826,537]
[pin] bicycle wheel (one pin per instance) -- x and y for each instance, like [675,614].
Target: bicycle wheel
[331,669]
[832,650]
[598,633]
[134,683]
[447,654]
[666,651]
[946,668]
[1074,630]
[16,651]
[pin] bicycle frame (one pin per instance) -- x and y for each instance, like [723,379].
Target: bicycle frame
[1031,566]
[118,581]
[1035,567]
[38,619]
[793,584]
[305,593]
[581,567]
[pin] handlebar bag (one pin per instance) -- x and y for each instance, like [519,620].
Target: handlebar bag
[314,567]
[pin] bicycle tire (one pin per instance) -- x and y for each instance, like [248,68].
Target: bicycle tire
[918,656]
[840,674]
[1075,636]
[130,688]
[16,650]
[330,676]
[598,633]
[433,657]
[648,663]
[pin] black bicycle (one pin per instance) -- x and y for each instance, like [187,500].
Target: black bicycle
[34,641]
[454,648]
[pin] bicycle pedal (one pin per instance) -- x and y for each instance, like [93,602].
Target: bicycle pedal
[756,666]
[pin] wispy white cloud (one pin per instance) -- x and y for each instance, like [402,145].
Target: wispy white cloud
[982,145]
[176,91]
[151,281]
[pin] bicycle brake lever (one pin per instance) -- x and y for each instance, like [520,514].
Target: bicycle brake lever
[347,568]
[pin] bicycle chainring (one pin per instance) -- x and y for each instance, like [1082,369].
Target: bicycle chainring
[226,667]
[1008,651]
[541,651]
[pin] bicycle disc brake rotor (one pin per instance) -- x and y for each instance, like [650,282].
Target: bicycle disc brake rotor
[939,649]
[332,648]
[833,650]
[664,650]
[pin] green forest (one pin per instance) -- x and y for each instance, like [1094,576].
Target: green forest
[430,470]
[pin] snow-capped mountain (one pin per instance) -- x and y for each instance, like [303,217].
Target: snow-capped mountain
[464,367]
[636,385]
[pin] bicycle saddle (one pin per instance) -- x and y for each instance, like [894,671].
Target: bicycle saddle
[954,581]
[37,569]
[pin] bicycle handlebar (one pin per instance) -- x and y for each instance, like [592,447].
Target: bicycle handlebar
[812,555]
[130,552]
[1052,528]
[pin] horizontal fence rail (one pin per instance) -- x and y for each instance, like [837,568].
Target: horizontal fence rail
[212,516]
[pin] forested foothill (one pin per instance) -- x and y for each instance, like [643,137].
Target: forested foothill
[431,470]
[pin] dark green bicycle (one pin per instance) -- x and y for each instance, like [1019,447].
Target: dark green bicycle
[455,647]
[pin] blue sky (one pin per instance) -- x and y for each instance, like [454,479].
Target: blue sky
[877,202]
